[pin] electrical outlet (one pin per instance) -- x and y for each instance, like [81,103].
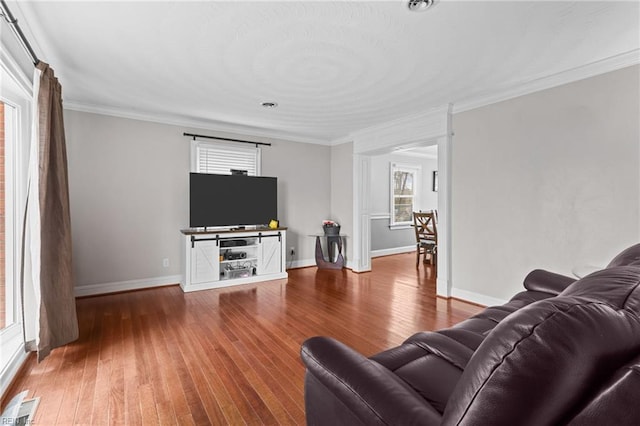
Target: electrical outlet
[165,262]
[292,251]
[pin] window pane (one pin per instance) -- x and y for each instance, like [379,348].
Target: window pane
[402,183]
[8,282]
[403,209]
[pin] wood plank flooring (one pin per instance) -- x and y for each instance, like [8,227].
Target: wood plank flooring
[228,356]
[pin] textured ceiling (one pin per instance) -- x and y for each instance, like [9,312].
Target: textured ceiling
[333,67]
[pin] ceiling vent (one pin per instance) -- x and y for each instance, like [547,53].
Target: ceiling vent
[420,5]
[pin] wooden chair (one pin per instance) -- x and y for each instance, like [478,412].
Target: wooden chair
[424,224]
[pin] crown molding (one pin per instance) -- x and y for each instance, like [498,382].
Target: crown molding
[429,121]
[403,132]
[211,125]
[402,121]
[593,69]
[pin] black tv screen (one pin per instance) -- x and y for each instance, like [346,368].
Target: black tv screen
[231,200]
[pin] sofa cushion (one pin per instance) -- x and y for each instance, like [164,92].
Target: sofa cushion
[371,392]
[428,351]
[542,363]
[445,353]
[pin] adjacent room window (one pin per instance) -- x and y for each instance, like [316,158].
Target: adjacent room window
[404,194]
[218,158]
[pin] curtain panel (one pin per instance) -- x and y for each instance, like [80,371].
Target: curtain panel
[49,306]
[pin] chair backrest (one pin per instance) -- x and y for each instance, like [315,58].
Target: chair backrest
[424,224]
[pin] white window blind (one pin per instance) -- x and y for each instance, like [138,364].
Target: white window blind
[221,159]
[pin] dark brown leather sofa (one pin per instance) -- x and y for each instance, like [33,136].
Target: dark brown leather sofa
[560,352]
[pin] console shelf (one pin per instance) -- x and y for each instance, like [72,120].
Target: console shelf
[222,258]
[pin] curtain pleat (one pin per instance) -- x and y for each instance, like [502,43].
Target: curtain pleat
[50,236]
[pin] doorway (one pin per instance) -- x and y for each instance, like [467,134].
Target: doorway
[383,141]
[402,181]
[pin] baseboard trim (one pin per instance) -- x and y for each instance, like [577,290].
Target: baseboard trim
[476,298]
[116,287]
[394,250]
[302,263]
[307,263]
[10,373]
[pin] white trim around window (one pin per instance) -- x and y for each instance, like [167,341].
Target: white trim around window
[221,158]
[16,95]
[404,193]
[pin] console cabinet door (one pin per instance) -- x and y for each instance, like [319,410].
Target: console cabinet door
[269,259]
[205,262]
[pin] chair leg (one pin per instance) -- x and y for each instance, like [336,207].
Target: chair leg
[417,255]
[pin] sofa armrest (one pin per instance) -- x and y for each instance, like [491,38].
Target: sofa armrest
[374,394]
[547,282]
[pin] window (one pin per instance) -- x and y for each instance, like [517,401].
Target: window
[404,194]
[8,244]
[4,311]
[222,159]
[15,123]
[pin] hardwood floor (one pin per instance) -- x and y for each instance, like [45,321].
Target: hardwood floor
[227,356]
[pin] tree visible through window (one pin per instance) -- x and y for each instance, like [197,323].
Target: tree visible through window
[404,181]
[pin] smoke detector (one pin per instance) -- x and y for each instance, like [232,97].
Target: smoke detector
[420,5]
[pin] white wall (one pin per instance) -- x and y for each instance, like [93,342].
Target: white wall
[548,180]
[129,191]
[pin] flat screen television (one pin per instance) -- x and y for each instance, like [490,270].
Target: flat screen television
[231,200]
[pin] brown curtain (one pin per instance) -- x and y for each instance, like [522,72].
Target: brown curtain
[58,322]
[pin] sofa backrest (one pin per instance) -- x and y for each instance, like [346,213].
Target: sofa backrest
[616,403]
[627,257]
[549,361]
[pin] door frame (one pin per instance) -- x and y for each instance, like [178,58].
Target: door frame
[431,129]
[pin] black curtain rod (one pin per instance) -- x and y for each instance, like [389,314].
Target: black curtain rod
[225,139]
[13,22]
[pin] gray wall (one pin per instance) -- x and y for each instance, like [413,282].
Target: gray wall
[129,194]
[342,192]
[304,192]
[548,180]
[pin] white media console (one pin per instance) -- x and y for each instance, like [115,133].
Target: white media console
[221,258]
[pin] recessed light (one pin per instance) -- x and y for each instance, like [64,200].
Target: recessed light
[420,5]
[269,104]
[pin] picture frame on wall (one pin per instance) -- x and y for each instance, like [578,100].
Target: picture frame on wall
[435,181]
